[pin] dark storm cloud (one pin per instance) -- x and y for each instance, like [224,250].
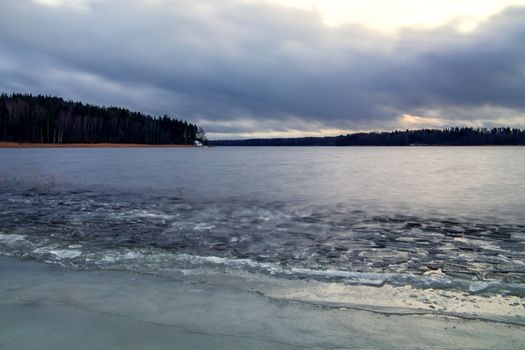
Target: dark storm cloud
[255,66]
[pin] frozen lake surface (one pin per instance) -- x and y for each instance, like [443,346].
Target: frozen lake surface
[48,307]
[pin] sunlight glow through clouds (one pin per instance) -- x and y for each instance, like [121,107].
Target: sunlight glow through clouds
[75,4]
[386,15]
[413,121]
[383,15]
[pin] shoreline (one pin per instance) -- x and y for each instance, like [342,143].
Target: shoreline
[363,293]
[86,145]
[91,309]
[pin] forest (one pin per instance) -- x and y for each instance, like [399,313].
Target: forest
[45,119]
[426,137]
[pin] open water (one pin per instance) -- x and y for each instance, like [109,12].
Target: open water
[430,217]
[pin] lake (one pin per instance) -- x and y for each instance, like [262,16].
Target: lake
[350,214]
[263,247]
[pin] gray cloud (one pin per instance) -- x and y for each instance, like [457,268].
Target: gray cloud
[274,68]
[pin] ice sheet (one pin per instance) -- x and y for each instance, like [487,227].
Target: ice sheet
[49,307]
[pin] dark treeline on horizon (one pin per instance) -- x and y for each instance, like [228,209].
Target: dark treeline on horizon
[432,137]
[45,119]
[297,141]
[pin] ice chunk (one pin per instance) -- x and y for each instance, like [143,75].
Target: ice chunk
[66,254]
[11,238]
[478,286]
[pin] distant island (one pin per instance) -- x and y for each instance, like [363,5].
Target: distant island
[425,137]
[40,119]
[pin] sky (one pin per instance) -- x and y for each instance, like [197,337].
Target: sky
[276,68]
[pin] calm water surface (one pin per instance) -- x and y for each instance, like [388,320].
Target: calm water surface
[428,216]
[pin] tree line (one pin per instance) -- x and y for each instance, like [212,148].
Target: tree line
[297,141]
[445,137]
[45,119]
[425,137]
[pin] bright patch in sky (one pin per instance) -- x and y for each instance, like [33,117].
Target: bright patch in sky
[414,121]
[383,15]
[389,15]
[75,4]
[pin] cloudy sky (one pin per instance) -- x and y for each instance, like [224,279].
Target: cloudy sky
[266,68]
